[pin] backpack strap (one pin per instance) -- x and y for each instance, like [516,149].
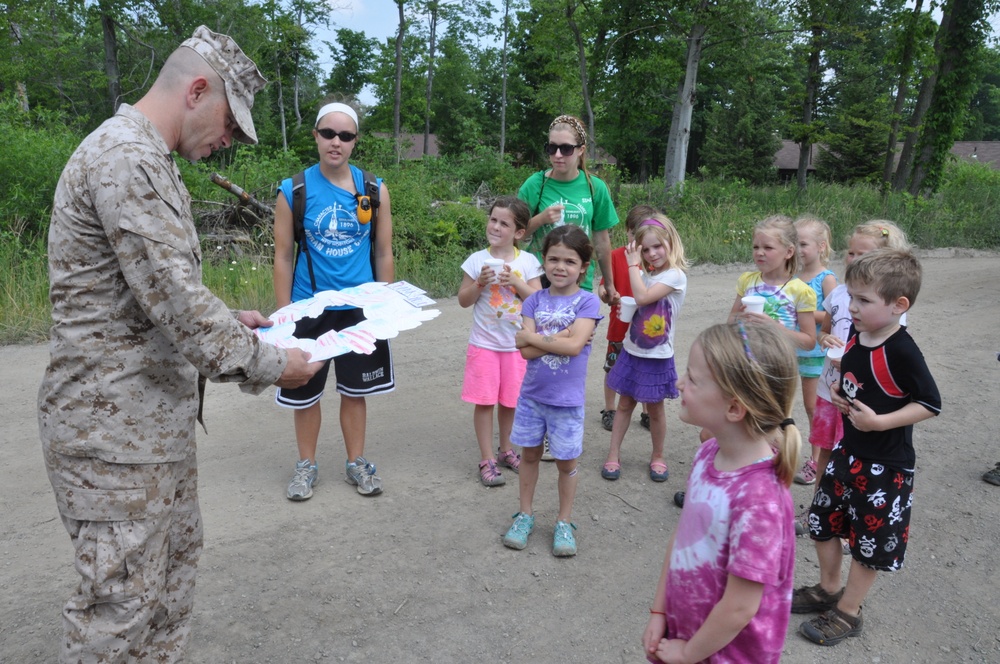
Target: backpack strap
[541,189]
[370,196]
[298,223]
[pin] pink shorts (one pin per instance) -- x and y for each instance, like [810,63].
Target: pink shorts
[492,377]
[827,425]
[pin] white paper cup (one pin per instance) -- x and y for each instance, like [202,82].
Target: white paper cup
[626,309]
[496,264]
[754,304]
[835,352]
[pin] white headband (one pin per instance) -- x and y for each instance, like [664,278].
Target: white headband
[339,108]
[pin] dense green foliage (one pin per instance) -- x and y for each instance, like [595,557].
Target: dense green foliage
[56,57]
[617,64]
[439,215]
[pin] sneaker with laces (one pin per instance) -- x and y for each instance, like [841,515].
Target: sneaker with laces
[563,542]
[608,419]
[306,474]
[489,475]
[517,535]
[808,473]
[361,473]
[546,455]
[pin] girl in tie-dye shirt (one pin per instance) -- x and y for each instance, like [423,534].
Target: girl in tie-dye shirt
[725,591]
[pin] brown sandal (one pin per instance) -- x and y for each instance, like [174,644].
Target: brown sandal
[832,627]
[813,599]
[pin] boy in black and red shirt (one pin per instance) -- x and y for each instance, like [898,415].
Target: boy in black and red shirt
[866,491]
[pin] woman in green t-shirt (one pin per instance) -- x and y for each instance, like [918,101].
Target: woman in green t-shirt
[568,194]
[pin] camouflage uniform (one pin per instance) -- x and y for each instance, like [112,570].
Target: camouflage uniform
[133,328]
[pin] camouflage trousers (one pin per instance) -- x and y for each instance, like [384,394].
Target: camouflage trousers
[137,535]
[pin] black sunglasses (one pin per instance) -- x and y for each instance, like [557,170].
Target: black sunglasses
[344,136]
[565,148]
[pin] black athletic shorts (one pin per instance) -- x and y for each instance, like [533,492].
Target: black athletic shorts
[358,375]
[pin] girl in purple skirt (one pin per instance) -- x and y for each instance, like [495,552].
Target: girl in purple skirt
[644,372]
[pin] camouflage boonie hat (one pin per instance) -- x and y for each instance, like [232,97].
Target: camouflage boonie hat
[239,73]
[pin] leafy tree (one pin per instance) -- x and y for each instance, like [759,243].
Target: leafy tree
[983,123]
[353,58]
[548,82]
[855,108]
[963,30]
[637,65]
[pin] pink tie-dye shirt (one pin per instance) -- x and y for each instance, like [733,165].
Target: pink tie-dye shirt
[741,523]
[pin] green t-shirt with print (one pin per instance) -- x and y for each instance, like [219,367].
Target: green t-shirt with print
[590,212]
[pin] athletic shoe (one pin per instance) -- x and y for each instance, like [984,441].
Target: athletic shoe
[563,542]
[808,473]
[608,419]
[517,535]
[306,474]
[362,474]
[546,455]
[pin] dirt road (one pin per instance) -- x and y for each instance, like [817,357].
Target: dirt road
[419,574]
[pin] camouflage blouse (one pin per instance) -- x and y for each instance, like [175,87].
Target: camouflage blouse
[133,325]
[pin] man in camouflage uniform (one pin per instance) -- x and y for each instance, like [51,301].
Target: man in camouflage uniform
[134,327]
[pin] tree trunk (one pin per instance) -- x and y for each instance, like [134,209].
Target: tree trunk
[680,126]
[398,96]
[281,107]
[433,7]
[20,89]
[906,157]
[809,105]
[296,78]
[111,57]
[503,94]
[905,69]
[959,41]
[582,57]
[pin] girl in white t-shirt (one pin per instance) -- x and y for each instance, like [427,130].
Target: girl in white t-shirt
[644,371]
[494,367]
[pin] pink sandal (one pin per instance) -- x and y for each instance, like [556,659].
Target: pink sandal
[509,459]
[489,475]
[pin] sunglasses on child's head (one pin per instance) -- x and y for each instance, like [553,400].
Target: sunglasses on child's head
[344,136]
[565,148]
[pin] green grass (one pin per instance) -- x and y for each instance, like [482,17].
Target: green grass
[24,290]
[436,225]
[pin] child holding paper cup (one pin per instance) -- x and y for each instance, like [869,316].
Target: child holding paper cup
[495,281]
[622,310]
[788,301]
[644,372]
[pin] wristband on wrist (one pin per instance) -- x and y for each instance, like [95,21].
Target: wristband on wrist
[633,265]
[659,613]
